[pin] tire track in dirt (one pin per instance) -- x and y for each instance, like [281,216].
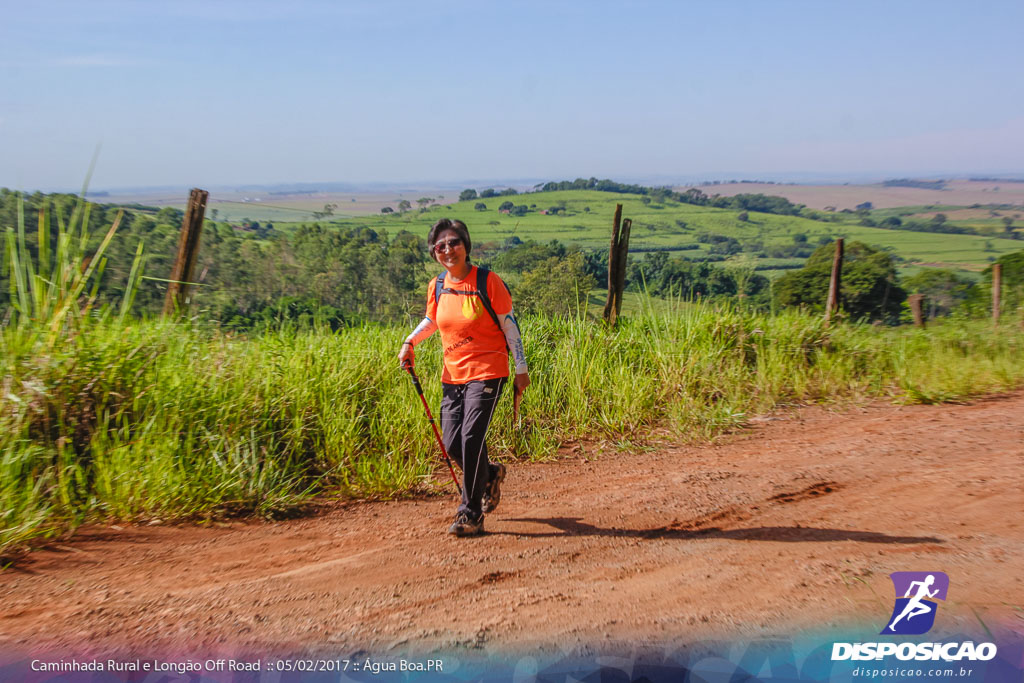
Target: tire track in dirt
[794,522]
[736,514]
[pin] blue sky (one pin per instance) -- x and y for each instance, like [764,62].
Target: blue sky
[219,93]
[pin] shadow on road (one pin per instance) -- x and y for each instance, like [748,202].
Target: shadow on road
[569,526]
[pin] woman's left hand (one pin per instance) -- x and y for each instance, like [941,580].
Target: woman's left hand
[519,384]
[406,357]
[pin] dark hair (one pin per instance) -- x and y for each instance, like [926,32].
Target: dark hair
[448,224]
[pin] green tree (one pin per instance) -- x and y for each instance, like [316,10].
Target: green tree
[480,206]
[526,256]
[1012,276]
[642,274]
[693,196]
[690,280]
[1012,269]
[172,216]
[741,267]
[467,195]
[869,289]
[404,205]
[943,289]
[979,299]
[328,210]
[557,287]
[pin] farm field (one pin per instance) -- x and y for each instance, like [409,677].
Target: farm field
[669,225]
[236,205]
[956,193]
[970,216]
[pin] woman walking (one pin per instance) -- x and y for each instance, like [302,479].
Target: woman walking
[473,310]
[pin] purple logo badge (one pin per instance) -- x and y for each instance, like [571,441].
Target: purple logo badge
[916,596]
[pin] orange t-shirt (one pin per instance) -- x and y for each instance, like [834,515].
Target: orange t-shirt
[474,347]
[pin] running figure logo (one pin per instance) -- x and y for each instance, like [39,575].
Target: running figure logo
[914,612]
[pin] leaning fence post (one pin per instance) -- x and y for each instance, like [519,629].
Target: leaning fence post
[613,273]
[832,303]
[997,286]
[916,302]
[188,249]
[623,248]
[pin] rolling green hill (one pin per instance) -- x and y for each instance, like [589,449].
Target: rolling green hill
[584,219]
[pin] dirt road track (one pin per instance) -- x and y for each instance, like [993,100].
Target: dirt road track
[794,523]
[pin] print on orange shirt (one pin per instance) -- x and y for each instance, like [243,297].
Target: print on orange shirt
[474,347]
[472,307]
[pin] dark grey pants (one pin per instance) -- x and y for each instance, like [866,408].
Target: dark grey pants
[466,411]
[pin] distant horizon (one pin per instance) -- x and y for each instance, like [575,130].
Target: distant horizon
[519,183]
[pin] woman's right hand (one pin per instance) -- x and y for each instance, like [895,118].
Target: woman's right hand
[406,355]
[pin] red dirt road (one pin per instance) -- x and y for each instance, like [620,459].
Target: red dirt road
[794,523]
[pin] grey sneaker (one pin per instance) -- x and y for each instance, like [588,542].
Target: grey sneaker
[492,494]
[464,525]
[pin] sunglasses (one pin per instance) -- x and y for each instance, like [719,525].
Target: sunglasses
[447,245]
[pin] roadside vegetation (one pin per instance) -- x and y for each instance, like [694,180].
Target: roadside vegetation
[342,272]
[107,415]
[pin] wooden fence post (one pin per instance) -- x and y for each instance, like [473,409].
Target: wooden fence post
[832,303]
[916,302]
[997,286]
[613,273]
[620,280]
[188,249]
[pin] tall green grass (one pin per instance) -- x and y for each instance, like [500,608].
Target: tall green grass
[103,417]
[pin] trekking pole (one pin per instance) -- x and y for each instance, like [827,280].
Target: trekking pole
[517,433]
[444,451]
[517,397]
